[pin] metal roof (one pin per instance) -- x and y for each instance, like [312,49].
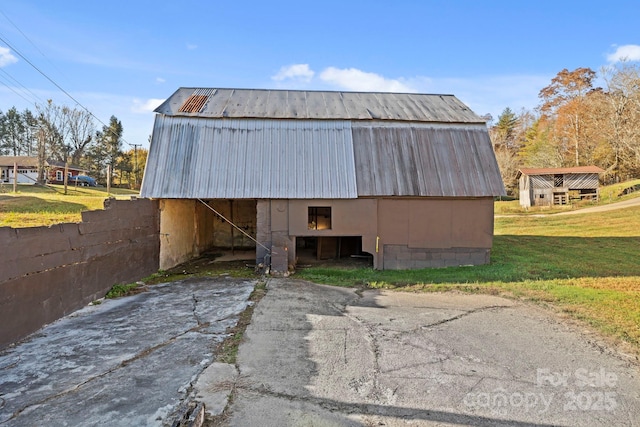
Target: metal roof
[318,105]
[247,159]
[317,159]
[424,160]
[553,171]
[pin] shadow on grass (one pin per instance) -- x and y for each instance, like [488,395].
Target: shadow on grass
[514,258]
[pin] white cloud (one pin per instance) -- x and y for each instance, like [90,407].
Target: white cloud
[629,52]
[160,80]
[358,80]
[6,57]
[299,72]
[140,106]
[483,94]
[191,46]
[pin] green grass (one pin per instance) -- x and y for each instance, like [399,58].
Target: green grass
[122,290]
[34,205]
[587,266]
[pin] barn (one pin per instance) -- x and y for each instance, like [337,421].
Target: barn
[557,186]
[405,179]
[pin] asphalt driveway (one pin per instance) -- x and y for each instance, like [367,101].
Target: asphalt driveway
[125,362]
[324,356]
[317,355]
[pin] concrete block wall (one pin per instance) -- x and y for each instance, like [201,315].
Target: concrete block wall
[402,257]
[49,272]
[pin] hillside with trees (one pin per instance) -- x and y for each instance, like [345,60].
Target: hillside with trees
[69,134]
[576,124]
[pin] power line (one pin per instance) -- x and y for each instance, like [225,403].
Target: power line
[36,97]
[27,38]
[59,87]
[16,92]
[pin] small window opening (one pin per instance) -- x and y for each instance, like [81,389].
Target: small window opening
[319,218]
[558,180]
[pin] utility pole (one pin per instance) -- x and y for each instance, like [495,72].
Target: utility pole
[135,165]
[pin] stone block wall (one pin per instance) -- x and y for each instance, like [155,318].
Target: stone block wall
[402,257]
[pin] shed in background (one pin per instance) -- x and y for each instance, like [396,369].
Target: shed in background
[556,186]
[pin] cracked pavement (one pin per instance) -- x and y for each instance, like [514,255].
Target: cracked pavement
[129,361]
[319,355]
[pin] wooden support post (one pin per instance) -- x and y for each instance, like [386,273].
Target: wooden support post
[108,180]
[233,248]
[66,175]
[15,177]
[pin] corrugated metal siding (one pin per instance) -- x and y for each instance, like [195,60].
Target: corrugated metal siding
[581,181]
[437,161]
[572,181]
[292,104]
[542,181]
[236,159]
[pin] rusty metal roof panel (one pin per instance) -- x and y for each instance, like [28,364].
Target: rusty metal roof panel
[321,105]
[553,171]
[247,158]
[425,160]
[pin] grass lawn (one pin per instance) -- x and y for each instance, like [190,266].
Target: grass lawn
[587,266]
[34,205]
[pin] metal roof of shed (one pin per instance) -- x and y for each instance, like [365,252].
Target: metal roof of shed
[553,171]
[318,105]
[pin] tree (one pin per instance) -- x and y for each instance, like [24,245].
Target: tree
[565,86]
[131,166]
[108,149]
[47,135]
[537,151]
[508,136]
[30,133]
[563,105]
[12,132]
[621,119]
[81,132]
[503,133]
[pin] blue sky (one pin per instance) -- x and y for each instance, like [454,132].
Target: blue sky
[123,58]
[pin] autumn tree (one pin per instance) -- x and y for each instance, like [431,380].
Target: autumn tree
[563,107]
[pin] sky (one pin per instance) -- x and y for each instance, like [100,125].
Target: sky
[124,58]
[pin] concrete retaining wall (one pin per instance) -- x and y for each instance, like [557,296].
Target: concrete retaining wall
[49,272]
[399,257]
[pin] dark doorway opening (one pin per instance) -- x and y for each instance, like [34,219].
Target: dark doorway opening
[331,250]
